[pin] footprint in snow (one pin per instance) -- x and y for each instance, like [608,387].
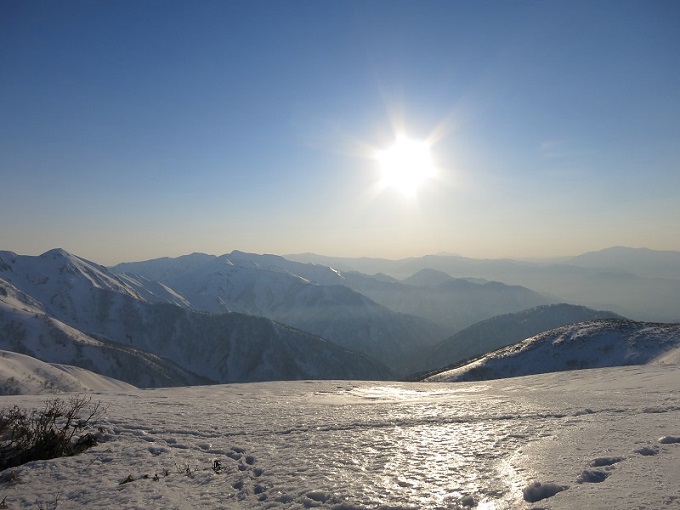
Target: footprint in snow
[245,464]
[647,451]
[605,461]
[653,450]
[592,476]
[538,491]
[596,475]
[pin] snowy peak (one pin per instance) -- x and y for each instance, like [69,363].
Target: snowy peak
[57,269]
[592,344]
[66,284]
[310,297]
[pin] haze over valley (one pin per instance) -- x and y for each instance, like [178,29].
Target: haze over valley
[243,317]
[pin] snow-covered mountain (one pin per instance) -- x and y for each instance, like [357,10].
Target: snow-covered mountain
[60,308]
[27,327]
[24,375]
[306,296]
[451,303]
[64,282]
[592,344]
[502,330]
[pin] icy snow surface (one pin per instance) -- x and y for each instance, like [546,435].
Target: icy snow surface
[601,438]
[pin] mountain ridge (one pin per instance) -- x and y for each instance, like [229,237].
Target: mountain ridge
[591,344]
[81,306]
[502,330]
[638,283]
[312,298]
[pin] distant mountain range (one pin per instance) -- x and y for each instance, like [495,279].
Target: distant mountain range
[386,319]
[638,283]
[592,344]
[239,317]
[237,281]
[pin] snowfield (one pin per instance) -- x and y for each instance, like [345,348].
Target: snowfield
[602,438]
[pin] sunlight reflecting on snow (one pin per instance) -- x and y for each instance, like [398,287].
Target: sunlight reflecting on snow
[356,445]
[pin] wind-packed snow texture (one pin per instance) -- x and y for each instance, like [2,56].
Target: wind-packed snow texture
[592,344]
[595,439]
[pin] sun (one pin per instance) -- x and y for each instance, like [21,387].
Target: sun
[405,165]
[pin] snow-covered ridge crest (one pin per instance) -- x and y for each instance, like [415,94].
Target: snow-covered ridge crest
[49,274]
[24,375]
[591,344]
[309,297]
[65,281]
[63,309]
[27,327]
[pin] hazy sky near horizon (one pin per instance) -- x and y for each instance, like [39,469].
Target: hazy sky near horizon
[137,129]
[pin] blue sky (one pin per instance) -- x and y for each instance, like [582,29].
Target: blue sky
[139,129]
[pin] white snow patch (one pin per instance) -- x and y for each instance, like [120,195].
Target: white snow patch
[24,375]
[359,445]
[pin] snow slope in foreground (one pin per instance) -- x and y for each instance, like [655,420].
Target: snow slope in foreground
[24,375]
[591,344]
[607,437]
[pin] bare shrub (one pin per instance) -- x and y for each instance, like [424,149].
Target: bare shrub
[60,428]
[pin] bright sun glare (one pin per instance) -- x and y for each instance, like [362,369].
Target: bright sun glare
[406,165]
